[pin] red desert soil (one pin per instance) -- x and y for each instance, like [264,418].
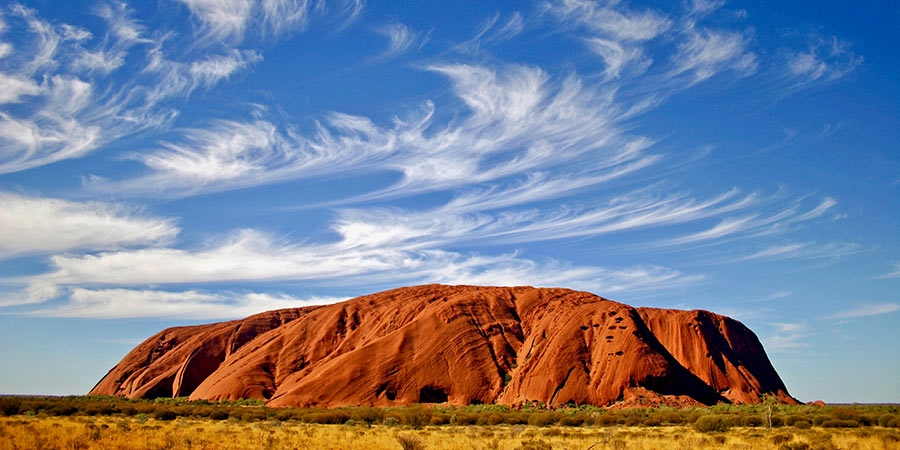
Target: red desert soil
[457,344]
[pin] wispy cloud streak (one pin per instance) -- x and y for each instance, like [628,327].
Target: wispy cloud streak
[230,20]
[401,38]
[872,309]
[41,225]
[190,304]
[75,104]
[825,59]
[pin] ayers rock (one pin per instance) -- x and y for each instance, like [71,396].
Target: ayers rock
[457,344]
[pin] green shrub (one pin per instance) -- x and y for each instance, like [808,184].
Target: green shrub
[869,420]
[605,419]
[251,416]
[845,414]
[575,420]
[535,444]
[10,406]
[490,419]
[652,422]
[464,418]
[415,416]
[838,423]
[668,417]
[409,441]
[334,417]
[752,421]
[802,425]
[543,419]
[781,438]
[62,410]
[791,420]
[286,414]
[368,415]
[710,423]
[794,446]
[218,414]
[164,414]
[515,418]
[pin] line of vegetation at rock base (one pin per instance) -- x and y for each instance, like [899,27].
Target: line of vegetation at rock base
[131,433]
[707,419]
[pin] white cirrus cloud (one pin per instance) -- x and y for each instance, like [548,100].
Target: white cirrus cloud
[707,52]
[520,122]
[704,7]
[492,31]
[231,20]
[826,58]
[867,310]
[789,337]
[35,292]
[893,274]
[38,225]
[401,38]
[74,95]
[806,250]
[190,304]
[611,19]
[777,295]
[13,88]
[250,255]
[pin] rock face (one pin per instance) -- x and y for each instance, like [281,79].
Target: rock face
[457,344]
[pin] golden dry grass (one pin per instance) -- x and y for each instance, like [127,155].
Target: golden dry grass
[87,433]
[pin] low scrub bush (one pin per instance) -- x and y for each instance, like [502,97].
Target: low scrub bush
[668,417]
[164,414]
[711,423]
[794,446]
[575,420]
[791,420]
[889,420]
[368,415]
[839,423]
[62,410]
[752,421]
[781,438]
[10,406]
[543,419]
[845,414]
[334,417]
[463,418]
[415,416]
[410,442]
[218,414]
[605,419]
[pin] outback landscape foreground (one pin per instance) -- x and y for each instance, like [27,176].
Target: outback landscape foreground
[457,345]
[116,423]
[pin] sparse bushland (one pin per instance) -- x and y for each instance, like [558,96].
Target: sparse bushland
[40,431]
[712,419]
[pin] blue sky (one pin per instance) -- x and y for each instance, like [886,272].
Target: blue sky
[184,161]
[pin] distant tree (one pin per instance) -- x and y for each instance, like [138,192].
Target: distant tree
[770,403]
[416,416]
